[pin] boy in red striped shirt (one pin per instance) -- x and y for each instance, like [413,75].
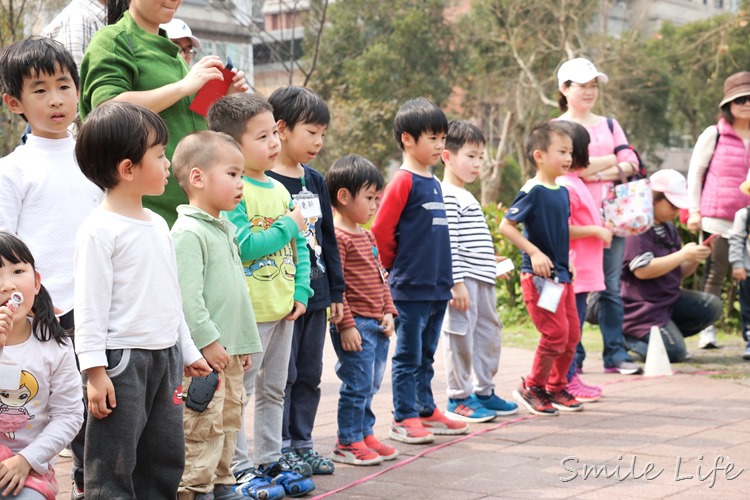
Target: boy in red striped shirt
[362,337]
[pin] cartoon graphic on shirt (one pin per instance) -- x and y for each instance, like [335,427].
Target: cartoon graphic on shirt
[317,266]
[268,268]
[13,414]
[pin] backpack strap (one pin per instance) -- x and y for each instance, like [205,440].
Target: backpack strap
[611,125]
[705,174]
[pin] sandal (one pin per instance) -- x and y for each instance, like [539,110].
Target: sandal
[319,463]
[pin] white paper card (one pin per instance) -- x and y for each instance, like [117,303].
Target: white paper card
[504,267]
[10,375]
[309,204]
[550,297]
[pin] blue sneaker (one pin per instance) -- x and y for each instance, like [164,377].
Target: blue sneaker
[496,404]
[468,410]
[294,484]
[252,483]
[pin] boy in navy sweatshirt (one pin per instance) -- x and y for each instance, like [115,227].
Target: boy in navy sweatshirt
[411,230]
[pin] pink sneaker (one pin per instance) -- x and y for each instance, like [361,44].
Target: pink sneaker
[583,392]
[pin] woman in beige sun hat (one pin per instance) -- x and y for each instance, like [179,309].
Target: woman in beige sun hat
[718,166]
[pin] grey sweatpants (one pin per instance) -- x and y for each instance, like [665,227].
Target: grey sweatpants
[266,380]
[471,343]
[138,450]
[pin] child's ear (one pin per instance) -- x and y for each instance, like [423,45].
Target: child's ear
[445,156]
[125,170]
[283,129]
[196,178]
[407,139]
[537,155]
[37,282]
[343,196]
[13,104]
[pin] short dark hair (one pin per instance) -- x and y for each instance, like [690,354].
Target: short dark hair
[461,132]
[540,137]
[352,172]
[297,105]
[416,116]
[230,114]
[33,56]
[113,132]
[198,149]
[581,140]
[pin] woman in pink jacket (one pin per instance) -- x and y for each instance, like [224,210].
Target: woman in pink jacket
[718,166]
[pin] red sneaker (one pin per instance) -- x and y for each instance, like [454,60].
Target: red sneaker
[441,425]
[410,430]
[355,453]
[385,451]
[564,401]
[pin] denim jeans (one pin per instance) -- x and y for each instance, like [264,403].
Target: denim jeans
[745,307]
[417,334]
[361,373]
[610,306]
[580,351]
[693,312]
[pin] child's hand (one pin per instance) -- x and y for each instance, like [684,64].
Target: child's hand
[694,222]
[297,310]
[296,214]
[541,264]
[13,474]
[239,83]
[203,71]
[460,298]
[198,369]
[337,312]
[572,270]
[695,253]
[351,340]
[216,356]
[606,236]
[387,324]
[6,323]
[101,392]
[247,362]
[739,274]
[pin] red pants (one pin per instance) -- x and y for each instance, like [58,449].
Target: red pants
[560,335]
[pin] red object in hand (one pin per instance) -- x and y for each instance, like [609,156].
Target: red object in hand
[707,241]
[211,92]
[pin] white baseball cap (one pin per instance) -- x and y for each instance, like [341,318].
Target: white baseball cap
[579,70]
[177,28]
[673,184]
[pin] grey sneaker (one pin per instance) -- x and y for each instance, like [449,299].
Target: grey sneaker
[625,368]
[708,338]
[746,354]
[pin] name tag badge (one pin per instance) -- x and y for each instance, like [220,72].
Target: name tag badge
[550,296]
[10,375]
[309,204]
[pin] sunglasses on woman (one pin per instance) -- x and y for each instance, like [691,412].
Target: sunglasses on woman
[741,100]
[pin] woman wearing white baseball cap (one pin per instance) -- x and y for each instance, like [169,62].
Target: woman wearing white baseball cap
[718,166]
[181,35]
[578,83]
[653,268]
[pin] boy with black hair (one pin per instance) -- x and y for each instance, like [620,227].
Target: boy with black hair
[44,196]
[208,166]
[302,119]
[277,270]
[543,207]
[412,234]
[361,339]
[129,316]
[471,329]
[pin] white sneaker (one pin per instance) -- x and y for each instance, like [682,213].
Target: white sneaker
[708,338]
[65,452]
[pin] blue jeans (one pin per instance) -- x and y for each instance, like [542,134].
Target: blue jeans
[417,333]
[580,351]
[361,373]
[610,306]
[692,312]
[745,307]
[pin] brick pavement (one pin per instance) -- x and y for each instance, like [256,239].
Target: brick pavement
[688,419]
